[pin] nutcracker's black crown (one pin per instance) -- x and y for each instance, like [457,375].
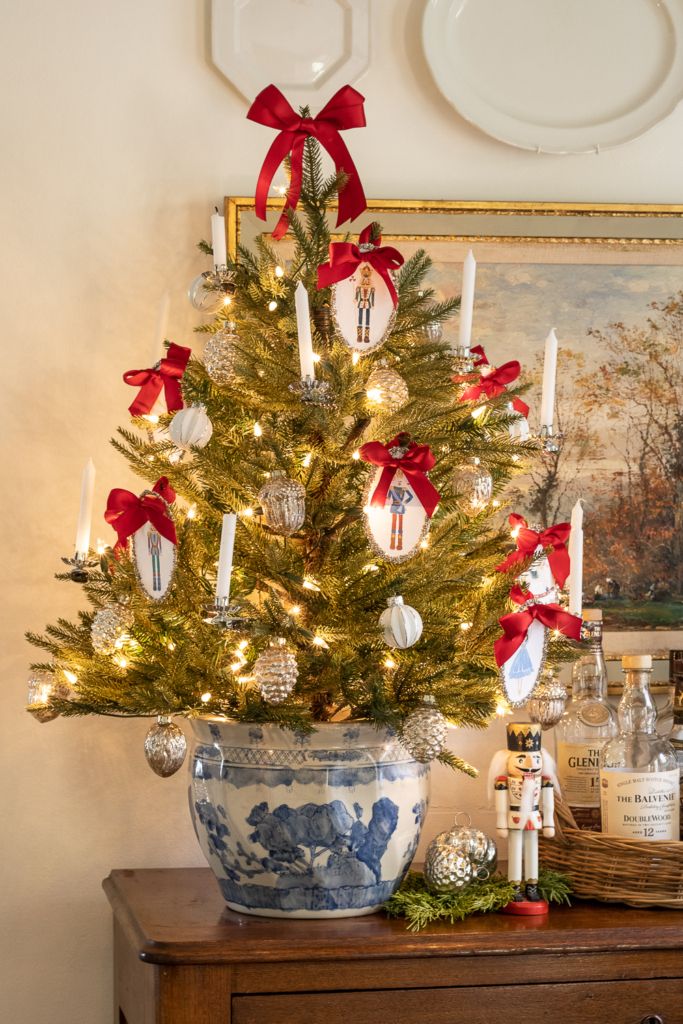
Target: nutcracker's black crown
[524,736]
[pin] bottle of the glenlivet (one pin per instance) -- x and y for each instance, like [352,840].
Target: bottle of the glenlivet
[639,775]
[587,724]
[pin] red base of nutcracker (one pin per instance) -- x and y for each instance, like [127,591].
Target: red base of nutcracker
[526,908]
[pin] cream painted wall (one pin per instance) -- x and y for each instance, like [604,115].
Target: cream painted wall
[118,138]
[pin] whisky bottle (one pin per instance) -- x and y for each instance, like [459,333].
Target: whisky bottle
[676,737]
[586,725]
[639,773]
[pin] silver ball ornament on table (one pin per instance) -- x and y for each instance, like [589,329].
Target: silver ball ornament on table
[220,355]
[386,390]
[401,624]
[108,626]
[165,747]
[481,848]
[448,866]
[276,672]
[472,486]
[283,501]
[547,702]
[424,731]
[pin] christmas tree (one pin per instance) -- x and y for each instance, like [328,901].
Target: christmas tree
[316,589]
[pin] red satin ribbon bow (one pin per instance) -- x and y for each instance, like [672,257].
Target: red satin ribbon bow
[415,464]
[494,383]
[151,381]
[127,512]
[344,110]
[516,624]
[346,256]
[527,540]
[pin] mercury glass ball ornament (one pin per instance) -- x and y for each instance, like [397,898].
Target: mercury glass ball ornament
[212,290]
[434,331]
[547,702]
[472,486]
[276,672]
[448,866]
[424,731]
[283,501]
[386,390]
[481,849]
[165,747]
[400,624]
[109,625]
[41,686]
[220,354]
[191,428]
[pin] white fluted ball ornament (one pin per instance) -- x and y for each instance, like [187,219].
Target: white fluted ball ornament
[276,672]
[191,427]
[424,731]
[401,624]
[165,747]
[283,501]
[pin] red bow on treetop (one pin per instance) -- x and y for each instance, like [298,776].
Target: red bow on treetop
[127,512]
[167,375]
[527,540]
[516,625]
[414,464]
[346,256]
[344,110]
[492,382]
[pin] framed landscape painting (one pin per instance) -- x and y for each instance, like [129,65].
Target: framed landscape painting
[609,279]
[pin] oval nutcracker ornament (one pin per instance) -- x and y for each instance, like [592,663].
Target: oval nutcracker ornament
[521,672]
[148,520]
[400,499]
[364,296]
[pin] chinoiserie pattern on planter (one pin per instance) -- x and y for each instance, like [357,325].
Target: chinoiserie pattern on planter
[306,825]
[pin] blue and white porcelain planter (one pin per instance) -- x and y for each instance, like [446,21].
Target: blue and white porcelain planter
[306,825]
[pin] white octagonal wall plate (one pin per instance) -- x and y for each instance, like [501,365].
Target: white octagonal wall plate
[307,48]
[558,76]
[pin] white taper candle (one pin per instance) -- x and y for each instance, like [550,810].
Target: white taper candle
[576,560]
[469,272]
[218,241]
[549,373]
[225,557]
[85,510]
[303,326]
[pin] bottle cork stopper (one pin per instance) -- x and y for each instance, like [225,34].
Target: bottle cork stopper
[592,614]
[636,661]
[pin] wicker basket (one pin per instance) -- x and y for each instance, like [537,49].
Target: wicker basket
[612,869]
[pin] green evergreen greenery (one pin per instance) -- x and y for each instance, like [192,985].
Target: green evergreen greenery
[173,657]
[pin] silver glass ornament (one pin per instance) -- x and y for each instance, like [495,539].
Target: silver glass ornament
[547,702]
[41,686]
[472,486]
[433,331]
[424,731]
[109,625]
[283,501]
[220,355]
[481,849]
[165,747]
[276,672]
[386,390]
[212,290]
[448,866]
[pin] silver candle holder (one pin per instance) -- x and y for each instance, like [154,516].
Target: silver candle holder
[312,391]
[80,566]
[463,363]
[225,615]
[551,440]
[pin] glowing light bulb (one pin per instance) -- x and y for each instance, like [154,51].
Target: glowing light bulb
[279,271]
[242,645]
[355,358]
[236,666]
[476,461]
[374,395]
[370,567]
[514,532]
[227,300]
[248,512]
[170,645]
[101,547]
[465,626]
[280,189]
[175,456]
[258,429]
[118,644]
[515,457]
[356,456]
[192,512]
[424,544]
[502,708]
[389,663]
[150,458]
[295,609]
[272,306]
[319,642]
[316,357]
[307,459]
[496,503]
[121,661]
[479,411]
[70,676]
[205,698]
[311,585]
[150,417]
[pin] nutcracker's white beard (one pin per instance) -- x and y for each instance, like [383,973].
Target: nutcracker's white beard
[526,804]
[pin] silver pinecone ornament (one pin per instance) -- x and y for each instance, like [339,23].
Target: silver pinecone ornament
[41,686]
[547,702]
[109,625]
[220,355]
[386,390]
[276,672]
[472,485]
[165,747]
[424,731]
[448,865]
[283,501]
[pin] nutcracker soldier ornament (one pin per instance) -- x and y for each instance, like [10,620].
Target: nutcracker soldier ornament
[523,779]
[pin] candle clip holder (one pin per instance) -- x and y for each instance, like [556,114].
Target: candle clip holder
[225,615]
[463,363]
[312,391]
[80,566]
[551,441]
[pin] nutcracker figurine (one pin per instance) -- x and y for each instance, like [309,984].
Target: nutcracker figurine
[365,300]
[399,497]
[523,778]
[154,548]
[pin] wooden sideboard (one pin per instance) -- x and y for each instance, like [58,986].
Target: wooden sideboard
[181,957]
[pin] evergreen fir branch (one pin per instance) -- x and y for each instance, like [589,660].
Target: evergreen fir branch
[451,760]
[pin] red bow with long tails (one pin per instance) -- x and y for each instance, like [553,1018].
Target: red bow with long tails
[167,375]
[516,625]
[415,464]
[127,512]
[527,540]
[344,110]
[492,382]
[346,256]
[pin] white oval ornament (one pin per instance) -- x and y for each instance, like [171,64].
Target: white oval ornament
[191,427]
[520,673]
[401,624]
[397,528]
[362,309]
[154,557]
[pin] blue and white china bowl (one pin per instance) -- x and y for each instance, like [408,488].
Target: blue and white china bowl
[323,824]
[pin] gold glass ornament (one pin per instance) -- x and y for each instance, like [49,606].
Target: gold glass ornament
[424,731]
[386,390]
[472,486]
[283,501]
[276,672]
[547,702]
[165,747]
